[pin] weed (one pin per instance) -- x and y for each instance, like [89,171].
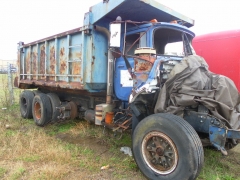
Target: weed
[2,172]
[9,133]
[18,173]
[29,158]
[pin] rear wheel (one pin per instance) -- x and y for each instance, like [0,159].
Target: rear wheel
[41,109]
[55,102]
[26,99]
[166,147]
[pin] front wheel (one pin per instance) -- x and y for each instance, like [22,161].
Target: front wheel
[166,147]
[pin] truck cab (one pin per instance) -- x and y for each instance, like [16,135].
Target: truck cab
[168,40]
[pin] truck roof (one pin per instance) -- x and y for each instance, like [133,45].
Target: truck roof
[164,24]
[135,10]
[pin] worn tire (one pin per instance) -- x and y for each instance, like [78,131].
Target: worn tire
[26,99]
[36,92]
[166,147]
[41,109]
[55,102]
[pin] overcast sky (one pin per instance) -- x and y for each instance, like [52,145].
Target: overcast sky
[30,20]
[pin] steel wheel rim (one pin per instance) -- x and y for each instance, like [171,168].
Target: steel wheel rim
[37,110]
[159,152]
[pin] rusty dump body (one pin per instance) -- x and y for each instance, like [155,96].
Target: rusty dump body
[59,62]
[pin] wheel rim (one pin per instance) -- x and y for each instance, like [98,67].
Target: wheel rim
[159,152]
[37,110]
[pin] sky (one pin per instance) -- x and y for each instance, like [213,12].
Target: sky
[30,20]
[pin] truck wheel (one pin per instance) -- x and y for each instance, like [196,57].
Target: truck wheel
[36,92]
[166,147]
[26,99]
[55,102]
[41,109]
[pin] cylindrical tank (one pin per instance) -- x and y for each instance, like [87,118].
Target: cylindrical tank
[221,50]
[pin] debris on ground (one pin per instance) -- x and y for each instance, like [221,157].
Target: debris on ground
[126,150]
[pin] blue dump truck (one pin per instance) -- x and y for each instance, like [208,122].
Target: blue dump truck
[120,70]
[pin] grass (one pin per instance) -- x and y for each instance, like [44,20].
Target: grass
[77,150]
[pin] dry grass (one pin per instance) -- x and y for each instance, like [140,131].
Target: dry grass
[62,151]
[77,150]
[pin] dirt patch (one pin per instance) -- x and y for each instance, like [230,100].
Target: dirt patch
[102,150]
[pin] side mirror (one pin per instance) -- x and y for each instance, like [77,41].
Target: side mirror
[115,37]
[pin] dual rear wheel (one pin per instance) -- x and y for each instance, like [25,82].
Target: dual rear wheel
[39,106]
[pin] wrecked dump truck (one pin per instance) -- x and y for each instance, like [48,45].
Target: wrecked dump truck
[119,71]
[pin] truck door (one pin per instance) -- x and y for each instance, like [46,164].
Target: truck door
[123,82]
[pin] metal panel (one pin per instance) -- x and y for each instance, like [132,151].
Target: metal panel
[73,61]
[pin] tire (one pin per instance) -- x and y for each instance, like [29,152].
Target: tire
[36,92]
[135,122]
[166,147]
[26,99]
[55,102]
[41,109]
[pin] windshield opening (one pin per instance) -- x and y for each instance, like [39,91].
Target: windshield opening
[170,42]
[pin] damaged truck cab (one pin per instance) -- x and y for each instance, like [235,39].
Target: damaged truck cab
[123,70]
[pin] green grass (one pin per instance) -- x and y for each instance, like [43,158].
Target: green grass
[29,158]
[217,166]
[2,172]
[18,173]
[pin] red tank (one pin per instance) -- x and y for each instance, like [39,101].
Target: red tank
[221,50]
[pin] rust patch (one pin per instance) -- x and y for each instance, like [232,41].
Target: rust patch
[34,64]
[143,66]
[28,61]
[76,67]
[63,59]
[52,84]
[79,55]
[52,62]
[42,60]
